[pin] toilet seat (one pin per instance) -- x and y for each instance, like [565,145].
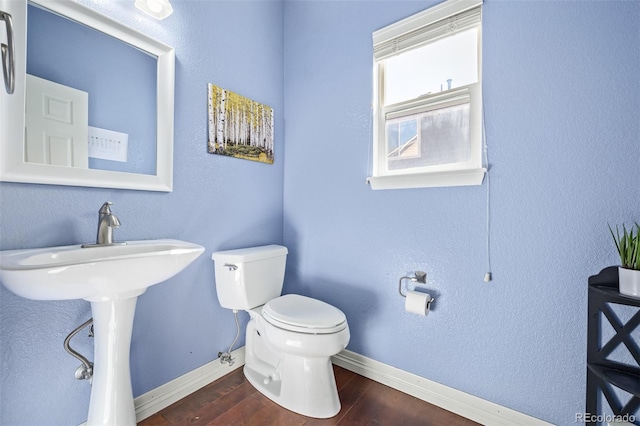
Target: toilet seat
[303,314]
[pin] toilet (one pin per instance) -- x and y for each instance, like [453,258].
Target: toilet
[290,339]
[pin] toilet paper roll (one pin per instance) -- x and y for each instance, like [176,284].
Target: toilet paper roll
[416,302]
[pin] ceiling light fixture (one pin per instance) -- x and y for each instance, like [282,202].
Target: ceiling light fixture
[159,9]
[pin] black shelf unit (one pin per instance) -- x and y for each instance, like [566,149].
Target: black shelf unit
[603,373]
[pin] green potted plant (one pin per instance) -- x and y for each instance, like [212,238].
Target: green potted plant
[628,245]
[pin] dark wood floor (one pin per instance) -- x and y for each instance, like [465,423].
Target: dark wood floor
[231,400]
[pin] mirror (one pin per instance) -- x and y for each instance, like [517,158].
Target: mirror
[99,77]
[127,125]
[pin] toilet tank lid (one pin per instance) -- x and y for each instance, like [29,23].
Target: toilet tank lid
[249,254]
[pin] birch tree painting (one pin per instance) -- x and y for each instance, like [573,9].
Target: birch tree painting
[239,127]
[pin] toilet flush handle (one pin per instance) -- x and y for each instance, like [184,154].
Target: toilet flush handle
[230,266]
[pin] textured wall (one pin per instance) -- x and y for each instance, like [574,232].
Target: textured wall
[218,202]
[562,96]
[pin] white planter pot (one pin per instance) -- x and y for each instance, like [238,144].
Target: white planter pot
[629,282]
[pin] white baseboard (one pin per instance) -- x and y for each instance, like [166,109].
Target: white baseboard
[163,396]
[461,403]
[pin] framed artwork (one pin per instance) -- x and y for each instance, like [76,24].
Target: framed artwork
[239,127]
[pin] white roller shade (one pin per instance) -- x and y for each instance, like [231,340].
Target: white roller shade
[434,23]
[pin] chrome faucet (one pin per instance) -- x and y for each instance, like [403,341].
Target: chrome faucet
[106,222]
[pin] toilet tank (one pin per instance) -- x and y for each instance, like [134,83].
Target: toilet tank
[249,277]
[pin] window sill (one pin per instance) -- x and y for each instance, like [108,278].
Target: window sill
[470,177]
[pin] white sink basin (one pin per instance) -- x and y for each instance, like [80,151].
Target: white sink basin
[95,273]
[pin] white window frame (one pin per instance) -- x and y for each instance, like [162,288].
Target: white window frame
[410,33]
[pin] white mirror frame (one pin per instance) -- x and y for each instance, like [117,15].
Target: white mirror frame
[13,168]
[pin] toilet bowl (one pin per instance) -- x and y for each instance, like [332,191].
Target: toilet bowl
[289,339]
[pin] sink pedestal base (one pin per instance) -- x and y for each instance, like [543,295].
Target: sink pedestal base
[111,394]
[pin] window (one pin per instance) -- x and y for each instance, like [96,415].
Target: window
[428,99]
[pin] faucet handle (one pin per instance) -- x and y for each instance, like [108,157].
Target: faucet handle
[105,209]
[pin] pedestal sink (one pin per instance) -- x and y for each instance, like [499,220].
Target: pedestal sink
[111,278]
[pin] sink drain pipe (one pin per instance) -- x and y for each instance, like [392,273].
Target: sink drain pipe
[85,371]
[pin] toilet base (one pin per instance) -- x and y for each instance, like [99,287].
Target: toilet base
[304,385]
[308,387]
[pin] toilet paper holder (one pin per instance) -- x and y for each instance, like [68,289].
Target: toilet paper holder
[419,277]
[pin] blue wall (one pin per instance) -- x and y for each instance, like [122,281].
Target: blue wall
[562,97]
[218,202]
